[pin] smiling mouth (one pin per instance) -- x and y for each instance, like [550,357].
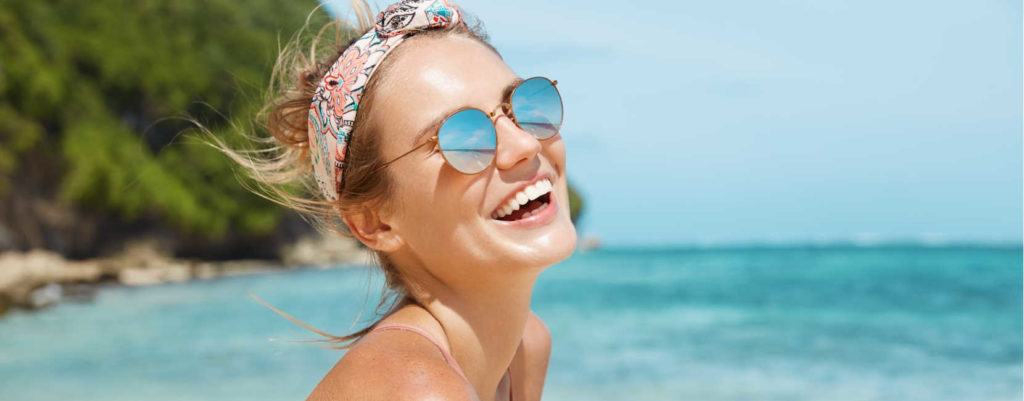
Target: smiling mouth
[531,200]
[529,209]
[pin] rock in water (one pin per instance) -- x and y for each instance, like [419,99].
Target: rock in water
[46,295]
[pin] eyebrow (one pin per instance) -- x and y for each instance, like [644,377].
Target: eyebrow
[506,92]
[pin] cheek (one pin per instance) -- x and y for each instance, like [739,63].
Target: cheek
[433,200]
[416,200]
[554,149]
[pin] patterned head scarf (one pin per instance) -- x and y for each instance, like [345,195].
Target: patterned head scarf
[336,100]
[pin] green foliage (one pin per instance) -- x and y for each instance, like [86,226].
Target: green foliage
[17,135]
[91,84]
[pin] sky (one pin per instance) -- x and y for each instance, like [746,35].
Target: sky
[781,121]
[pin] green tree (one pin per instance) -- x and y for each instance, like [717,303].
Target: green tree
[88,86]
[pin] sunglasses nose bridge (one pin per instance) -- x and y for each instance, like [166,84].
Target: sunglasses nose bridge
[504,108]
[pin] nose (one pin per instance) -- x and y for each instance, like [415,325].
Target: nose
[514,144]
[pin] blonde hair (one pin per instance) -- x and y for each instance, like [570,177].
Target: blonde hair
[279,165]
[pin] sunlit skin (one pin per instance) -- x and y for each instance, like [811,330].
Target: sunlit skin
[473,275]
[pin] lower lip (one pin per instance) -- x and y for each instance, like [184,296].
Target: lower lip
[545,216]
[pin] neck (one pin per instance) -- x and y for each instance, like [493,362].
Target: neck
[484,323]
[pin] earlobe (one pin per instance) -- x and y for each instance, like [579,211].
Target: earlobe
[369,229]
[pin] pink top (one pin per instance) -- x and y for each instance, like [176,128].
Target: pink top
[447,356]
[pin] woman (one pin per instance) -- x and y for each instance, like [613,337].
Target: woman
[435,155]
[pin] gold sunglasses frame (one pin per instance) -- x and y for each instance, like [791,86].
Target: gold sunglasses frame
[505,107]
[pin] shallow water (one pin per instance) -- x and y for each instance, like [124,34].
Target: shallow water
[837,323]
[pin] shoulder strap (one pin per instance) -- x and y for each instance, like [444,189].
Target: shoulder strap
[447,356]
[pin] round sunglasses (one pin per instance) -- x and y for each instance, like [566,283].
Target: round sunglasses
[468,137]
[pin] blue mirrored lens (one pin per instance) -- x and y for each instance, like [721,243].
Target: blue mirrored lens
[538,107]
[468,140]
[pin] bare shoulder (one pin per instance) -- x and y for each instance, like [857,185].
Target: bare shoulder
[530,364]
[392,365]
[537,334]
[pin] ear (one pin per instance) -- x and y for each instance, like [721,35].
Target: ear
[372,231]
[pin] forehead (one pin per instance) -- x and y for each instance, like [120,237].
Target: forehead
[435,76]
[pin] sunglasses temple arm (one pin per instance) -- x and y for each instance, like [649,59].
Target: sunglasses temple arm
[431,140]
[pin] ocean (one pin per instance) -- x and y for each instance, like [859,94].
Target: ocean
[783,323]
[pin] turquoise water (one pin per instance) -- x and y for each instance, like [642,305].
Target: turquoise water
[835,323]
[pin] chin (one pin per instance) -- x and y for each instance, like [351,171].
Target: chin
[550,248]
[568,245]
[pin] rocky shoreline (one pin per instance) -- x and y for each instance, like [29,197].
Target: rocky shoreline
[39,278]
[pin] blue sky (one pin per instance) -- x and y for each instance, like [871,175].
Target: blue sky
[781,121]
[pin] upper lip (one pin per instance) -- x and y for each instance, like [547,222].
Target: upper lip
[537,178]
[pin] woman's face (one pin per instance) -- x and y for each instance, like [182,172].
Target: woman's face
[444,217]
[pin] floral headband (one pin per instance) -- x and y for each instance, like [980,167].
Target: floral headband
[336,100]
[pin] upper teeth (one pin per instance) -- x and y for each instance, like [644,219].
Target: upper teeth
[522,197]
